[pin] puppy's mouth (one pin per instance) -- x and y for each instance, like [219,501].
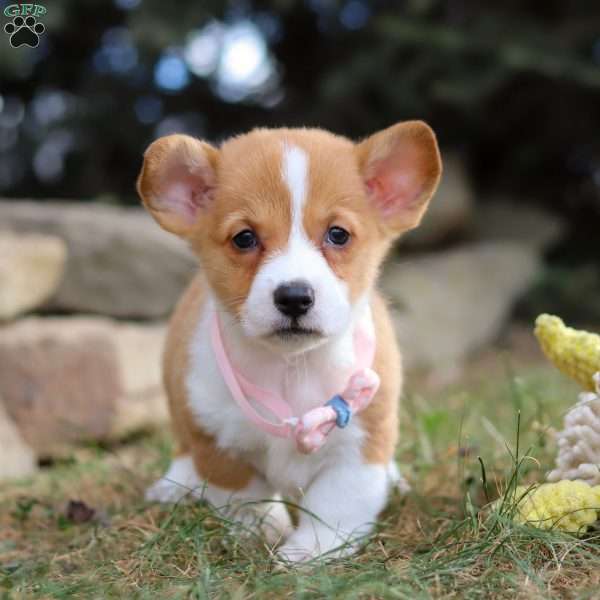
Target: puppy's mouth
[296,332]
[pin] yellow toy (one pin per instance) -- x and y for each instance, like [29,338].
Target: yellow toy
[575,353]
[572,500]
[570,506]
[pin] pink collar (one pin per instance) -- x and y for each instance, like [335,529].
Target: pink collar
[310,429]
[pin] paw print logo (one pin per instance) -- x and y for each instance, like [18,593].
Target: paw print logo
[24,32]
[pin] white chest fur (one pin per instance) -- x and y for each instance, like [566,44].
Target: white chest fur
[304,381]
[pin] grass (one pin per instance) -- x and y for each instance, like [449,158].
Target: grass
[460,449]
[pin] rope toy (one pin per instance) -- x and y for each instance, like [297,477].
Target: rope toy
[570,502]
[577,354]
[579,441]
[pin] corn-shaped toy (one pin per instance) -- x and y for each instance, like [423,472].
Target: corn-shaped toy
[570,506]
[575,353]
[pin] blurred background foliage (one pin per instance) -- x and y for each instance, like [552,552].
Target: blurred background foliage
[512,87]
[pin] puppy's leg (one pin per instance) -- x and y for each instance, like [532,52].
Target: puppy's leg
[255,508]
[345,500]
[396,479]
[180,480]
[231,486]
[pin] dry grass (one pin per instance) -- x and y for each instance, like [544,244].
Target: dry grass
[437,542]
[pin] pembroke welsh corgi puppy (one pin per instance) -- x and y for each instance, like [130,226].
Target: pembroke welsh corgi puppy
[281,367]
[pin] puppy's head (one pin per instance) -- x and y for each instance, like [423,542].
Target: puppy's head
[291,225]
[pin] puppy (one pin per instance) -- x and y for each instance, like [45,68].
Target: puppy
[276,349]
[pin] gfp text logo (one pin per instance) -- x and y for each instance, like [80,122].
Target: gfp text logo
[24,29]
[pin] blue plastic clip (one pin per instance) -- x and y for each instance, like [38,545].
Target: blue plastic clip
[342,410]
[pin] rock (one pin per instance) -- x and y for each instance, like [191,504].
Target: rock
[451,211]
[69,379]
[446,306]
[524,223]
[18,459]
[31,268]
[120,263]
[139,354]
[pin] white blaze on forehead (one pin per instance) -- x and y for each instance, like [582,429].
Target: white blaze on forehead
[295,175]
[299,259]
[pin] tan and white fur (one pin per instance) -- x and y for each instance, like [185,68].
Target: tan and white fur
[289,187]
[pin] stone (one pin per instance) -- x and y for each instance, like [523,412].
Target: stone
[445,306]
[120,262]
[501,219]
[18,458]
[31,268]
[64,380]
[451,210]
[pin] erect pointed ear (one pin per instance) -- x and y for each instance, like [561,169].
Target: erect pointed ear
[178,181]
[401,169]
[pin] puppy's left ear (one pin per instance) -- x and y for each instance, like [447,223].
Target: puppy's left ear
[401,169]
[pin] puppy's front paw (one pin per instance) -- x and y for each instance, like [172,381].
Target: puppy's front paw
[277,524]
[318,542]
[396,480]
[167,491]
[270,518]
[179,481]
[290,553]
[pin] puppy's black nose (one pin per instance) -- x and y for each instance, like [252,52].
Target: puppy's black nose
[294,299]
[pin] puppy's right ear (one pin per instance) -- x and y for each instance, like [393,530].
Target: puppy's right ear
[177,181]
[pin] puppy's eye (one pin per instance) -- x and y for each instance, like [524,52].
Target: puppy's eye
[337,236]
[245,240]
